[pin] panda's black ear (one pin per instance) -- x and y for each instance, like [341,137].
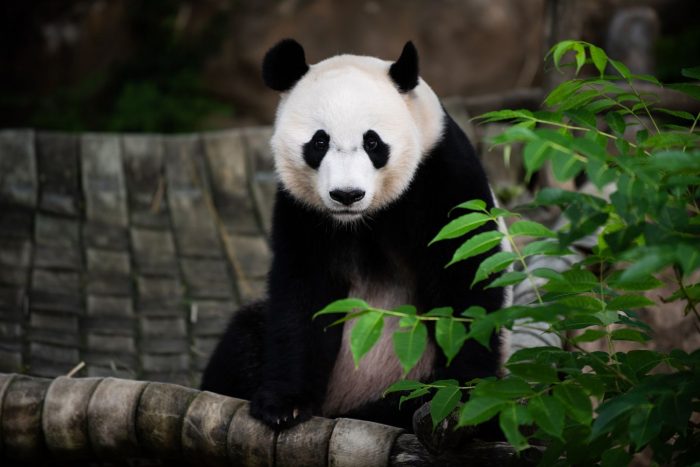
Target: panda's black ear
[284,65]
[404,71]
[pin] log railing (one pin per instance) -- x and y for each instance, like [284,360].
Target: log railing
[66,421]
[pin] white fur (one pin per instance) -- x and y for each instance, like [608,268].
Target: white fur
[345,96]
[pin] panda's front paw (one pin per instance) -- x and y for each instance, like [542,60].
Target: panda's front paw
[278,410]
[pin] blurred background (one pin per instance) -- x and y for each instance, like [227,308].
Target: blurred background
[177,65]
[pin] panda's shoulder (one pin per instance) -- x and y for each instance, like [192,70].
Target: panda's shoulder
[452,165]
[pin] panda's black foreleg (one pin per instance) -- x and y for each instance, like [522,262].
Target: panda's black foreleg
[235,367]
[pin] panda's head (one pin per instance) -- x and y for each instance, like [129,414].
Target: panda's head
[350,130]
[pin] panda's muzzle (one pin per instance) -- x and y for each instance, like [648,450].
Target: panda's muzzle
[347,197]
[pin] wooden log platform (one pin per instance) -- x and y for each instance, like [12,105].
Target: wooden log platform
[111,421]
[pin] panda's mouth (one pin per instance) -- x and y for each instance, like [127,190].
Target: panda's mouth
[347,214]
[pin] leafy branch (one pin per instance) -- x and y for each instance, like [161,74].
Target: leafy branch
[587,406]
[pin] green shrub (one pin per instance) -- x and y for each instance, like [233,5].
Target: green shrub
[586,407]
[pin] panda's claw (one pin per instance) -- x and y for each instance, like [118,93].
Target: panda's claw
[277,411]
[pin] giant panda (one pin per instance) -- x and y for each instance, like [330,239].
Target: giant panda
[369,166]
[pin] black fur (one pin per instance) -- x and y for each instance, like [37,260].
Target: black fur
[284,65]
[404,71]
[376,149]
[316,149]
[283,360]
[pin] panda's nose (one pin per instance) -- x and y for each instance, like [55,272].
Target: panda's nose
[347,197]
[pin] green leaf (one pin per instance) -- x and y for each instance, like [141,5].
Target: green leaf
[444,402]
[535,154]
[621,68]
[600,105]
[580,56]
[577,322]
[479,409]
[582,117]
[544,247]
[582,279]
[565,166]
[686,88]
[629,335]
[627,302]
[460,226]
[409,345]
[616,122]
[643,361]
[481,330]
[677,161]
[476,245]
[548,414]
[530,229]
[559,50]
[582,303]
[677,410]
[450,336]
[474,312]
[348,317]
[644,425]
[615,457]
[409,310]
[599,172]
[610,412]
[365,333]
[641,283]
[608,317]
[590,148]
[403,385]
[443,312]
[563,91]
[688,257]
[509,278]
[493,264]
[599,58]
[693,72]
[505,114]
[580,99]
[508,421]
[534,372]
[676,113]
[343,306]
[590,335]
[653,261]
[472,205]
[577,403]
[510,387]
[500,212]
[420,392]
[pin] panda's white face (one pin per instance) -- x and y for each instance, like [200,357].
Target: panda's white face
[347,142]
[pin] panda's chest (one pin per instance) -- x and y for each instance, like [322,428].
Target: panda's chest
[351,387]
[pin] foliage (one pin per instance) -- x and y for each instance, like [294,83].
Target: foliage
[158,88]
[585,406]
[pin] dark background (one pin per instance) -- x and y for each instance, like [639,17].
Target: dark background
[175,65]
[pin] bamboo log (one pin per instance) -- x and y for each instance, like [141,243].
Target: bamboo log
[110,419]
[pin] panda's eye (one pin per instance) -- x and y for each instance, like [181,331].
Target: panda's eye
[371,144]
[376,148]
[321,144]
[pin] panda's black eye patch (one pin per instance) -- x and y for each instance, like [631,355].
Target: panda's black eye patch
[376,149]
[316,148]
